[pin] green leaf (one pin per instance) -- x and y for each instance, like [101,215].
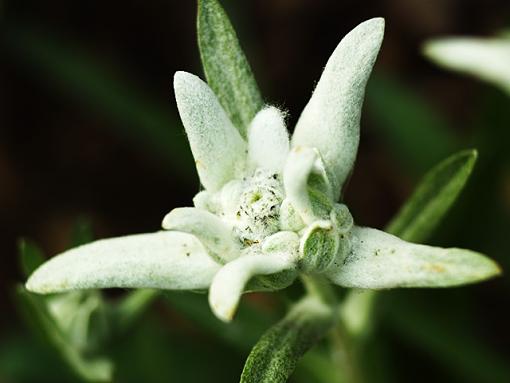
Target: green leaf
[433,197]
[274,357]
[226,68]
[30,256]
[409,123]
[35,311]
[485,58]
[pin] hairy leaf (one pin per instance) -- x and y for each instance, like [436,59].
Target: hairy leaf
[378,260]
[166,260]
[274,357]
[217,147]
[226,68]
[330,120]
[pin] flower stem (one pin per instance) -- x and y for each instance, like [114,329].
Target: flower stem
[343,355]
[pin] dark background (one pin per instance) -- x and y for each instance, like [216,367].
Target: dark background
[89,128]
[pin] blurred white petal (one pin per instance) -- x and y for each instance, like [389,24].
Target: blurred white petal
[487,59]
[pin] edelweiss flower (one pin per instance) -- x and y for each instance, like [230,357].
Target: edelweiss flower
[269,209]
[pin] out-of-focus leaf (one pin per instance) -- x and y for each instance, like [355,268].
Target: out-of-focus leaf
[136,117]
[241,334]
[131,308]
[36,314]
[432,198]
[81,316]
[30,256]
[19,350]
[410,125]
[72,324]
[274,357]
[485,58]
[226,68]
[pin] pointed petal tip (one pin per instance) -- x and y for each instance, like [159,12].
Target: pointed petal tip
[41,283]
[268,139]
[375,22]
[223,310]
[374,26]
[473,267]
[181,78]
[30,285]
[492,268]
[218,148]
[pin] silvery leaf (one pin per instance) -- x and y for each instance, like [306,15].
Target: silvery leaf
[163,260]
[217,146]
[330,120]
[378,260]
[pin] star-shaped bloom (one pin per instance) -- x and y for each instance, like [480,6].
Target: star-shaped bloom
[269,210]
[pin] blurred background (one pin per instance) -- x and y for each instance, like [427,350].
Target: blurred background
[89,132]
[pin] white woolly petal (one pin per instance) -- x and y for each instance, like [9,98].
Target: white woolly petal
[217,146]
[299,165]
[214,234]
[228,284]
[163,260]
[330,120]
[378,260]
[268,140]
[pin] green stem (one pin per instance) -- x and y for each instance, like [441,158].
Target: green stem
[321,288]
[343,355]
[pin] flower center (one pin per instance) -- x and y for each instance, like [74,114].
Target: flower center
[253,206]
